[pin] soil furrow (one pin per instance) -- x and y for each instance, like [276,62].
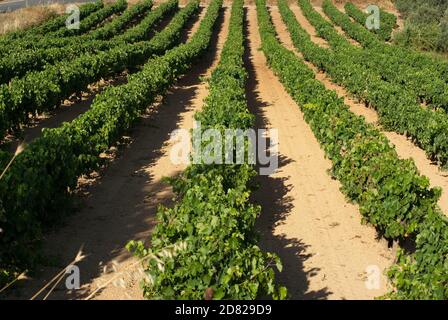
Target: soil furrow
[120,203]
[306,219]
[405,148]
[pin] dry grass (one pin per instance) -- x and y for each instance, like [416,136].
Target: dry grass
[382,3]
[385,4]
[26,17]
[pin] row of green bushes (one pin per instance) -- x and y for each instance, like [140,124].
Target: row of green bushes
[398,108]
[388,21]
[51,25]
[209,233]
[391,193]
[425,83]
[21,61]
[35,191]
[90,20]
[438,68]
[42,91]
[425,24]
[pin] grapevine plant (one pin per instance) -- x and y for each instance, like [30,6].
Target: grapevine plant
[397,107]
[36,189]
[87,23]
[42,91]
[392,195]
[393,53]
[52,25]
[425,83]
[388,21]
[205,246]
[50,50]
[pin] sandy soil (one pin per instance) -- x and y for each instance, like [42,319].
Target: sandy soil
[326,251]
[76,104]
[121,203]
[385,4]
[67,111]
[306,219]
[27,17]
[337,28]
[404,147]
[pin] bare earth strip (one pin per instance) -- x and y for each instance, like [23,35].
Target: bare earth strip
[404,147]
[337,28]
[121,204]
[306,219]
[77,103]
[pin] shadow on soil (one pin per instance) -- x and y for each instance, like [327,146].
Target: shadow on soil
[276,206]
[80,102]
[121,203]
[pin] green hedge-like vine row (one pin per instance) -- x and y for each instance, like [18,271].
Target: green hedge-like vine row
[35,191]
[53,25]
[424,274]
[213,220]
[119,23]
[388,21]
[92,21]
[392,195]
[427,85]
[20,62]
[87,23]
[42,91]
[392,53]
[397,108]
[50,25]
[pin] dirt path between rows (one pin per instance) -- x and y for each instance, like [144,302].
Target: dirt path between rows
[386,5]
[405,148]
[305,218]
[337,28]
[326,251]
[121,204]
[79,103]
